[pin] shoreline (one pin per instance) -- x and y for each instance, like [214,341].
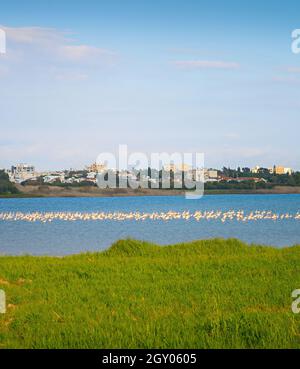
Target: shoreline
[72,192]
[104,251]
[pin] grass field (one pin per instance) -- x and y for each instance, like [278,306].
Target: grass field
[205,294]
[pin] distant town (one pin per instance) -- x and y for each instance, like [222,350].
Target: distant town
[27,174]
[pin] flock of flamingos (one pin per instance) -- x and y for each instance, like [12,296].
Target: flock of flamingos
[222,216]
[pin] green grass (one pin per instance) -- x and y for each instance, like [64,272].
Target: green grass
[205,294]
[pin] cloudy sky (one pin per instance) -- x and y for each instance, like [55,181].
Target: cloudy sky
[82,77]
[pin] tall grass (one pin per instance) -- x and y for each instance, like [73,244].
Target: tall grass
[205,294]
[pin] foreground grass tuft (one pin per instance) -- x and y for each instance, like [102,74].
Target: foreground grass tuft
[204,294]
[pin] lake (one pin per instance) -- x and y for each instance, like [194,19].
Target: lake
[61,237]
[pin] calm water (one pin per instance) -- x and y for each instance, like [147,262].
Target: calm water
[60,238]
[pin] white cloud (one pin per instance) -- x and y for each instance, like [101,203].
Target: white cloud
[34,35]
[205,64]
[52,46]
[77,53]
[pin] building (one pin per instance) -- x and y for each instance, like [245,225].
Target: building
[208,175]
[261,170]
[91,175]
[22,172]
[211,175]
[97,168]
[169,168]
[256,169]
[280,170]
[22,168]
[184,167]
[54,177]
[177,167]
[251,179]
[243,179]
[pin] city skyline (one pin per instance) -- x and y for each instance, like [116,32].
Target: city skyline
[166,165]
[159,76]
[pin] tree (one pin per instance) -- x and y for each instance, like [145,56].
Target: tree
[6,187]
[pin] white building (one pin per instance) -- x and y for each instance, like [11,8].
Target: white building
[22,172]
[210,175]
[288,171]
[255,169]
[91,175]
[51,178]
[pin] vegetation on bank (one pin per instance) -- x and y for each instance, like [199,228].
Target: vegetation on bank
[6,187]
[204,294]
[272,179]
[47,191]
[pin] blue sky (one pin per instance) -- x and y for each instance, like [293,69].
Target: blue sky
[82,77]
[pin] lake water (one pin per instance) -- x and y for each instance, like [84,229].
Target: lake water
[68,237]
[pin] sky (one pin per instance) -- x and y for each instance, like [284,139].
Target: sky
[81,77]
